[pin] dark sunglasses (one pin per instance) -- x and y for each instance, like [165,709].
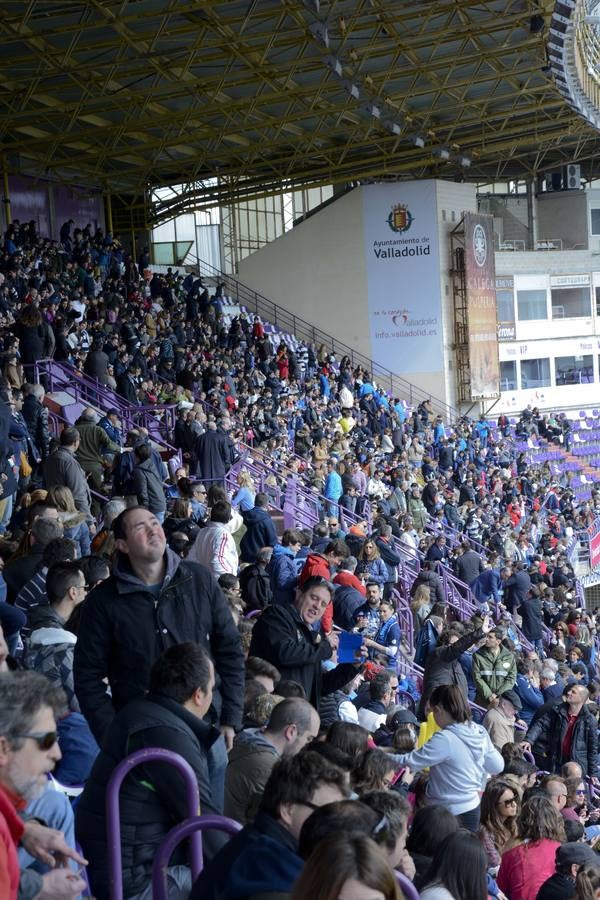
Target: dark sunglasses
[44,740]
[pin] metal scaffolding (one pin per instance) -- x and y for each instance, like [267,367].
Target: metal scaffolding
[461,313]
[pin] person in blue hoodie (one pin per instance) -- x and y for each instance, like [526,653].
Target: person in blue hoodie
[531,696]
[333,489]
[263,858]
[260,531]
[282,569]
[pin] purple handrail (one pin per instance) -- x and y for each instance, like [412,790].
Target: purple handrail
[191,828]
[405,619]
[113,821]
[90,390]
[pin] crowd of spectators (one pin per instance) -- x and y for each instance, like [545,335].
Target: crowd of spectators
[150,606]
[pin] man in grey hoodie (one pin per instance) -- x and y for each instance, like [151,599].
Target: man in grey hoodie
[293,723]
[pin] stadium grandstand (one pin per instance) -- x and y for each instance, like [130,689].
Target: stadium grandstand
[299,450]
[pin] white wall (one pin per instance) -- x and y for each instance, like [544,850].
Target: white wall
[317,271]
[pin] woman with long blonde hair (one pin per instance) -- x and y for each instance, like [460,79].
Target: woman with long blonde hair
[75,526]
[371,564]
[245,495]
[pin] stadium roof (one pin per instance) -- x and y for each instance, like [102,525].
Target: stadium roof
[264,95]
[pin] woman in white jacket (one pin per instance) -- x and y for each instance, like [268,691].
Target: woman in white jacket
[460,757]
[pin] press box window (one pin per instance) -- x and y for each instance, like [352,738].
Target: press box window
[535,373]
[596,221]
[574,370]
[571,303]
[532,305]
[508,376]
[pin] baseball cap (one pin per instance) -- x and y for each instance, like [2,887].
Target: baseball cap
[513,698]
[576,854]
[402,717]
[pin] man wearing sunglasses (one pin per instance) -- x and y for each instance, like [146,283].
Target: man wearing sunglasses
[28,752]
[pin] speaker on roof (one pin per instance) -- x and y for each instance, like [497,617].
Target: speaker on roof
[572,177]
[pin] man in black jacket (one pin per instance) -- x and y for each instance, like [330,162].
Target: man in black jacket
[389,555]
[443,663]
[260,530]
[96,362]
[432,580]
[283,635]
[35,415]
[126,386]
[569,859]
[468,565]
[153,798]
[572,732]
[212,454]
[154,600]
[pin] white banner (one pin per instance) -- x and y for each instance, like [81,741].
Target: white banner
[403,276]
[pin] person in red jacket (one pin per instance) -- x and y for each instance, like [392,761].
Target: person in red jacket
[321,564]
[29,750]
[346,577]
[258,331]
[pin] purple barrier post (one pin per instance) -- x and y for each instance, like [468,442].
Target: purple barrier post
[113,821]
[408,889]
[191,828]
